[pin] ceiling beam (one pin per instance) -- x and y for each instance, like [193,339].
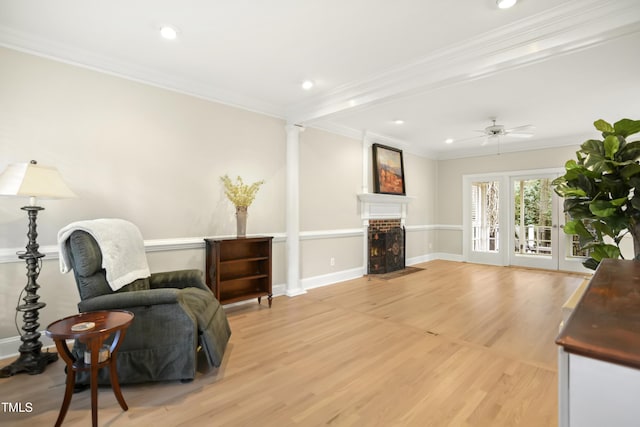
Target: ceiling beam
[570,27]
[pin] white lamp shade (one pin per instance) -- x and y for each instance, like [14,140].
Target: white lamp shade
[33,180]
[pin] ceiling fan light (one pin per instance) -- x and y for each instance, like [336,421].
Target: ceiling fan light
[505,4]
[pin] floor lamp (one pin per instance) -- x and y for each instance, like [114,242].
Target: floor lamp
[31,180]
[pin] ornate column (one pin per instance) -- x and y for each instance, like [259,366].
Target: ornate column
[294,286]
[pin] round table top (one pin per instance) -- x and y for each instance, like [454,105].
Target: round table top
[104,322]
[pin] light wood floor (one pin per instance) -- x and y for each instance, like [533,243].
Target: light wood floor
[452,345]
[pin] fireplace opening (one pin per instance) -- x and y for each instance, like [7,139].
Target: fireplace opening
[386,246]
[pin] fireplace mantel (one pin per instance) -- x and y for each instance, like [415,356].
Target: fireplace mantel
[383,206]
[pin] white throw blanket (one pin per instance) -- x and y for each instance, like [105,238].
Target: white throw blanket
[122,247]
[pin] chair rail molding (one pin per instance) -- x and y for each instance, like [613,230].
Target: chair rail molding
[9,255]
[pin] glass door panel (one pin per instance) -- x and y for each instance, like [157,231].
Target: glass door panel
[534,230]
[533,216]
[484,230]
[485,214]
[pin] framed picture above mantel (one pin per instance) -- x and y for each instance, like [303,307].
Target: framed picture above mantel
[388,170]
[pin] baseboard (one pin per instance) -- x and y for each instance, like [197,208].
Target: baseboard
[420,259]
[331,278]
[447,257]
[9,346]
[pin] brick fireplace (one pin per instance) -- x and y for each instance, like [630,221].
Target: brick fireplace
[386,242]
[383,217]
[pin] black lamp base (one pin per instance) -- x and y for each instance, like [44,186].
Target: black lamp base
[31,360]
[32,364]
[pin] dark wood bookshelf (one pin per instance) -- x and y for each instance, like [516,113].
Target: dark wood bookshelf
[239,269]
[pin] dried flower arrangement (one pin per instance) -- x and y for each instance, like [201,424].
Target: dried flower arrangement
[240,194]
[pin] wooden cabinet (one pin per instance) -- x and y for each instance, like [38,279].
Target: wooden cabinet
[599,355]
[239,269]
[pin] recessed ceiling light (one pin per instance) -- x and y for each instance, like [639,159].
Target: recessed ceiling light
[448,141]
[505,4]
[307,84]
[168,32]
[398,122]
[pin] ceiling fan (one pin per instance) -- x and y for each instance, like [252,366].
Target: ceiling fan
[495,131]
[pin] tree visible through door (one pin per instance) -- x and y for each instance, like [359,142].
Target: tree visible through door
[485,219]
[533,210]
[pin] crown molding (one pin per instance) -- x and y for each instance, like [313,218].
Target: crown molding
[337,129]
[373,137]
[59,52]
[569,27]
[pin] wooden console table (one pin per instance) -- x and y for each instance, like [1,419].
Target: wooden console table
[106,323]
[599,354]
[239,269]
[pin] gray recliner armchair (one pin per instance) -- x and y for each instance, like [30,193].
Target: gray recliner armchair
[177,322]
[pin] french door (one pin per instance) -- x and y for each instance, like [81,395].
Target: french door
[483,230]
[517,219]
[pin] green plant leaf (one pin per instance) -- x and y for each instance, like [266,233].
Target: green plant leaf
[615,186]
[603,126]
[602,208]
[579,170]
[577,227]
[630,170]
[618,202]
[602,228]
[585,183]
[572,192]
[598,164]
[618,222]
[573,203]
[593,146]
[602,251]
[635,202]
[634,182]
[626,127]
[581,212]
[570,164]
[590,263]
[631,151]
[611,145]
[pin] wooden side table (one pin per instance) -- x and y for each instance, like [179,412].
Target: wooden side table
[105,324]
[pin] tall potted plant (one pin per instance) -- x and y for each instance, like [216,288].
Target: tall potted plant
[601,191]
